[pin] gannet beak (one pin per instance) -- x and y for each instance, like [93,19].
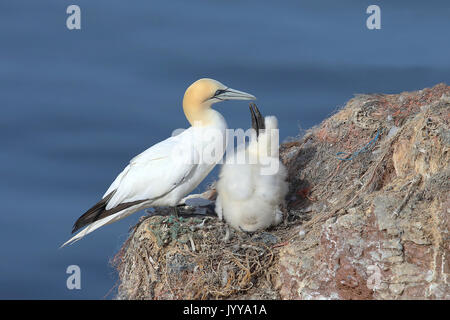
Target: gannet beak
[232,94]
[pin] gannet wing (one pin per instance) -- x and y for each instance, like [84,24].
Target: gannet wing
[151,174]
[155,172]
[95,224]
[116,182]
[157,151]
[101,216]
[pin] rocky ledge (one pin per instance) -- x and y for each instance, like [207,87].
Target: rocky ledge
[367,217]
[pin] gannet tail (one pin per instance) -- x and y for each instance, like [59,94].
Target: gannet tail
[98,216]
[100,223]
[90,228]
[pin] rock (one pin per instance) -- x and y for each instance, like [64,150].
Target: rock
[410,250]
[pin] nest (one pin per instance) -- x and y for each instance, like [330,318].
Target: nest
[168,257]
[334,168]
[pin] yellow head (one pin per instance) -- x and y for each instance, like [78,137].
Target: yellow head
[203,93]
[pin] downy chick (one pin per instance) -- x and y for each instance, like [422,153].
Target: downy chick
[249,194]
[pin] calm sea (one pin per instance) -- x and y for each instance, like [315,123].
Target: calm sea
[77,105]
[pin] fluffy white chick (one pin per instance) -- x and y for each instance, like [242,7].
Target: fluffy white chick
[250,194]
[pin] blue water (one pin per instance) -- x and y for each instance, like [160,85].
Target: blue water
[77,105]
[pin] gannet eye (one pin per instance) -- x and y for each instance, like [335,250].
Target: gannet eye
[218,92]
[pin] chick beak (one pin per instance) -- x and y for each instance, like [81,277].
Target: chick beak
[257,119]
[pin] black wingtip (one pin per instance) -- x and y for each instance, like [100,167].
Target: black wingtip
[98,211]
[89,216]
[92,214]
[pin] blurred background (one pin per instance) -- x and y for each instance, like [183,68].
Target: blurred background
[77,105]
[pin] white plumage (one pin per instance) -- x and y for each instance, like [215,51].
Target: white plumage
[249,195]
[166,172]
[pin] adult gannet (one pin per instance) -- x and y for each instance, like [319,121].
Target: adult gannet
[248,197]
[172,168]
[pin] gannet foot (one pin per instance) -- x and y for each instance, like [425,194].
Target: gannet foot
[175,211]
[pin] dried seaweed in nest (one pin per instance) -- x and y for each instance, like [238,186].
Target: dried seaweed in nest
[168,256]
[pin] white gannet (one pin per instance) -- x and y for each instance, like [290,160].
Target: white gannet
[166,172]
[248,197]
